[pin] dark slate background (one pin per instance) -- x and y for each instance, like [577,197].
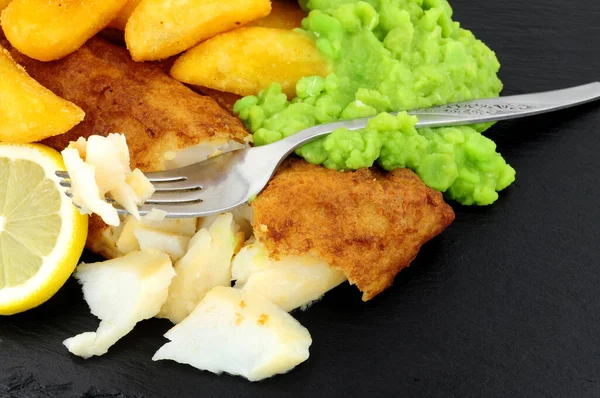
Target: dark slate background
[505,303]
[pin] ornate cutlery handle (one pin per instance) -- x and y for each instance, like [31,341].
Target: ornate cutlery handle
[502,108]
[463,113]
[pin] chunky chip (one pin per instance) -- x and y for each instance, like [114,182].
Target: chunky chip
[247,60]
[158,29]
[29,111]
[49,30]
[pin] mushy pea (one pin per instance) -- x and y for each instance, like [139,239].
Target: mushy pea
[390,55]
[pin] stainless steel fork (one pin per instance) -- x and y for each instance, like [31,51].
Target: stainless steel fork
[226,181]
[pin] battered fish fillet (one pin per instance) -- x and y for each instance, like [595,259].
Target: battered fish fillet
[166,124]
[226,100]
[157,114]
[368,224]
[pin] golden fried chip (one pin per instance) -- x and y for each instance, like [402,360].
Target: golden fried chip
[30,112]
[247,60]
[48,30]
[158,29]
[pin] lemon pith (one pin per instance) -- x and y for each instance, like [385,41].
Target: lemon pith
[42,235]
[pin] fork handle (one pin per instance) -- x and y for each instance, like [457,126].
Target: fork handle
[464,113]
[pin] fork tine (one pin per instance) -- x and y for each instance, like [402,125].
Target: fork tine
[154,177]
[184,210]
[207,187]
[175,188]
[175,197]
[182,185]
[161,183]
[173,211]
[165,176]
[70,195]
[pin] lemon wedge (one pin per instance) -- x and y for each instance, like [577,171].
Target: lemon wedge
[42,234]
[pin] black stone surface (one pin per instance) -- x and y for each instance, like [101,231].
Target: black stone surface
[505,303]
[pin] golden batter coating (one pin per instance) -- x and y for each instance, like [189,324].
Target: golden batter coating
[368,223]
[226,100]
[156,113]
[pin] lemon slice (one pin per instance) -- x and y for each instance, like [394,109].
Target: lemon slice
[42,234]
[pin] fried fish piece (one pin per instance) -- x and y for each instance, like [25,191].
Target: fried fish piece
[158,115]
[166,124]
[367,223]
[226,100]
